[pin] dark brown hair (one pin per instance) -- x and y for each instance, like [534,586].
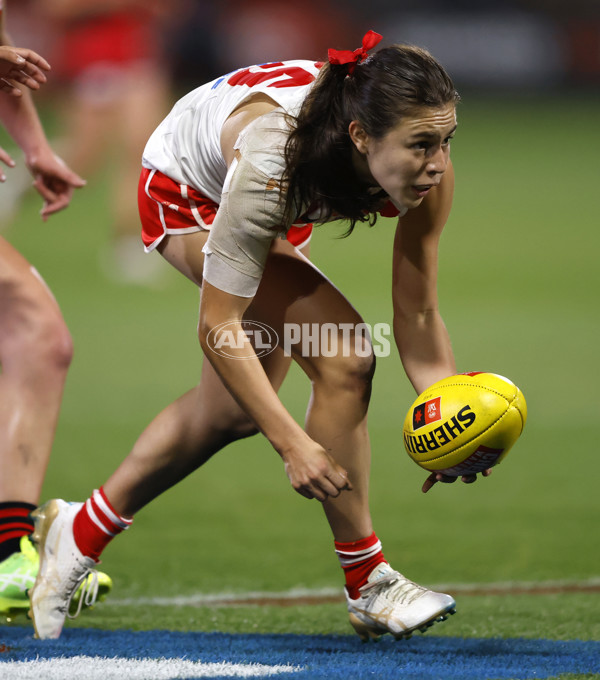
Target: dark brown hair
[390,84]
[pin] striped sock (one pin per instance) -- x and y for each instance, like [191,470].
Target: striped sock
[15,523]
[96,524]
[358,559]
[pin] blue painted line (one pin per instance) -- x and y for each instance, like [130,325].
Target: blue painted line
[319,657]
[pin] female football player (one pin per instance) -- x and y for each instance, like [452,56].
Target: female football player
[232,181]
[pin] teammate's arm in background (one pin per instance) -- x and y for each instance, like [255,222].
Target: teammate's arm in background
[53,180]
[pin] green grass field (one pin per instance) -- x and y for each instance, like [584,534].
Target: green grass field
[518,285]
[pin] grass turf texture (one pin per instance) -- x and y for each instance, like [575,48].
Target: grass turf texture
[518,282]
[532,617]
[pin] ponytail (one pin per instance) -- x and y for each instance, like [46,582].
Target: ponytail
[377,91]
[319,152]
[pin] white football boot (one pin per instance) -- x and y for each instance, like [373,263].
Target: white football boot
[63,568]
[390,603]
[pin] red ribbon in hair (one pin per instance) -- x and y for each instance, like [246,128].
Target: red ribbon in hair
[353,58]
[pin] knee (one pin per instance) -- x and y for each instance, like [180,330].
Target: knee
[57,342]
[241,427]
[44,341]
[350,373]
[234,426]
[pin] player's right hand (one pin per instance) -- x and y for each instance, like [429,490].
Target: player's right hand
[314,474]
[435,477]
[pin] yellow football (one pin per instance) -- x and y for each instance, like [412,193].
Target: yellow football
[464,424]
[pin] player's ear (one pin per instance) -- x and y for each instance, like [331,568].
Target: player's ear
[358,136]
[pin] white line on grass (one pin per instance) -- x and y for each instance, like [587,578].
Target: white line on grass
[324,595]
[101,668]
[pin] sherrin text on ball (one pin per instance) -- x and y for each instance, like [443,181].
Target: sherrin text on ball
[464,424]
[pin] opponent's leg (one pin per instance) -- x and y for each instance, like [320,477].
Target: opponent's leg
[35,354]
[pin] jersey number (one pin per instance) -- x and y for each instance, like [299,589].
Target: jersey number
[296,76]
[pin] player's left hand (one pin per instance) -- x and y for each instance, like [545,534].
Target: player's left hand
[19,65]
[435,477]
[54,181]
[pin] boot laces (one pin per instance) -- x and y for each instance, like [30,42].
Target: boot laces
[89,591]
[395,587]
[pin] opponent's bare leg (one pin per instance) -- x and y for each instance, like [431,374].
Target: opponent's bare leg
[35,354]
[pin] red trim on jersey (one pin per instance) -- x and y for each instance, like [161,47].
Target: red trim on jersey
[299,235]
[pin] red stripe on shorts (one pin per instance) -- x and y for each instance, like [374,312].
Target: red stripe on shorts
[167,207]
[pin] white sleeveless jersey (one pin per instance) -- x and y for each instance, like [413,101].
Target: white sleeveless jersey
[186,145]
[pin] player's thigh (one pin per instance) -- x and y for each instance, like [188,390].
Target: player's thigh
[184,252]
[293,297]
[312,318]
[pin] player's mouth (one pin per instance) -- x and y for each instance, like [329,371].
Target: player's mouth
[421,190]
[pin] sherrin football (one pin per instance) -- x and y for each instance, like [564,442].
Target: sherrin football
[464,424]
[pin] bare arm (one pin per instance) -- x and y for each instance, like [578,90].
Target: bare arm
[53,180]
[420,333]
[419,330]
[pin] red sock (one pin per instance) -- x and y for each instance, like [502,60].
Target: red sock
[15,523]
[358,559]
[96,524]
